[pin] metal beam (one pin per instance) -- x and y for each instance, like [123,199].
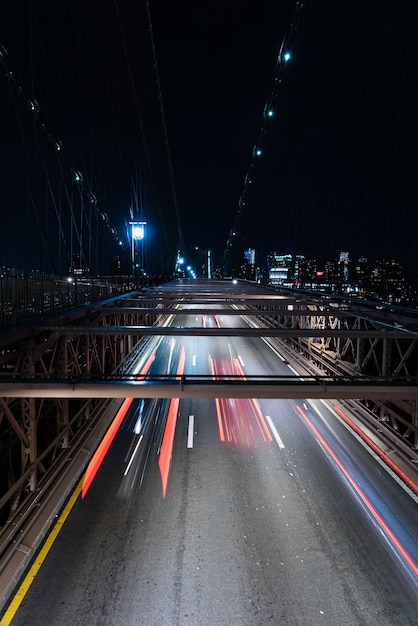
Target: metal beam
[389,333]
[305,388]
[270,309]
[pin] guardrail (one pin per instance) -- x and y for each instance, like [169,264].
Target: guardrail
[29,297]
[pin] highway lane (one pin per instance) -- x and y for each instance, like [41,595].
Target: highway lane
[255,529]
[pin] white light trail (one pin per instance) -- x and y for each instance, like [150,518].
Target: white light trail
[170,358]
[138,425]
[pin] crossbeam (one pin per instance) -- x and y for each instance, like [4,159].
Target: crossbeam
[388,333]
[201,387]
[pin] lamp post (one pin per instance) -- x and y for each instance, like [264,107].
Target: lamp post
[137,234]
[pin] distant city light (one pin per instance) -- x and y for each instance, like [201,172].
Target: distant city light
[287,56]
[258,153]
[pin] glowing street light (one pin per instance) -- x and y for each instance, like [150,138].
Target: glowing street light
[138,230]
[137,234]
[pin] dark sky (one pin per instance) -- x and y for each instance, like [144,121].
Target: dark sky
[338,170]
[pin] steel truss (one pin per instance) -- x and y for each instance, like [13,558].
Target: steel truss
[365,340]
[35,432]
[325,337]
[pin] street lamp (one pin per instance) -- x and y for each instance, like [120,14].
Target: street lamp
[137,234]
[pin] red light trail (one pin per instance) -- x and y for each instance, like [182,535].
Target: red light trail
[102,450]
[240,421]
[374,513]
[164,461]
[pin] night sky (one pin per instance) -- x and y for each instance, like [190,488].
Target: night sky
[338,169]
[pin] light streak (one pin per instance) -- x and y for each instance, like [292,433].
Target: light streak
[217,404]
[170,358]
[256,408]
[237,417]
[138,425]
[99,455]
[260,420]
[219,415]
[378,450]
[164,461]
[373,512]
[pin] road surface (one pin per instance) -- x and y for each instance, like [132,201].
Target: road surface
[271,513]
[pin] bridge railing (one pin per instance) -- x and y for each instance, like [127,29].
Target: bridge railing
[27,297]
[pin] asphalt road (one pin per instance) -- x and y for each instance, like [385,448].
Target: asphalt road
[272,514]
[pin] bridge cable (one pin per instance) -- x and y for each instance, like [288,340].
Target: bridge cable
[58,147]
[268,115]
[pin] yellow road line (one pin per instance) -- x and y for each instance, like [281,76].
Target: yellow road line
[30,576]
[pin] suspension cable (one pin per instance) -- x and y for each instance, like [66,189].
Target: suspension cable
[268,115]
